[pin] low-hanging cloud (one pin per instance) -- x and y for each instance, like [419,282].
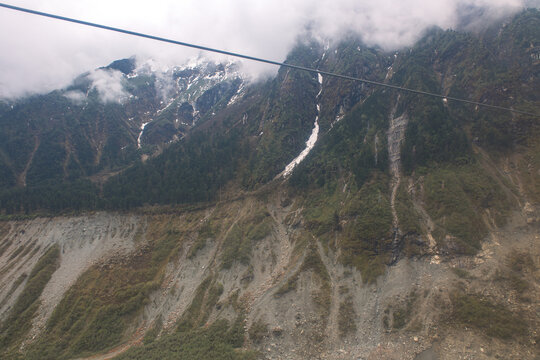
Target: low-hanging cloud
[109,85]
[40,54]
[77,96]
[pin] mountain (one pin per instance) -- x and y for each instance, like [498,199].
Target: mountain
[190,212]
[108,119]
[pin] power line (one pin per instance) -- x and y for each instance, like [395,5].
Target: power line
[253,58]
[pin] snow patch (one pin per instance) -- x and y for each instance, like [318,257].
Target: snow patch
[389,73]
[237,96]
[140,134]
[320,86]
[310,143]
[171,101]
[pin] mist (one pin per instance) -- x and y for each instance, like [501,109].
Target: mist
[39,54]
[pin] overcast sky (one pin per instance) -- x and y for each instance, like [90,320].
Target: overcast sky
[38,54]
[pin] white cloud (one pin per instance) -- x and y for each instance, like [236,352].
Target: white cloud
[41,54]
[109,85]
[76,96]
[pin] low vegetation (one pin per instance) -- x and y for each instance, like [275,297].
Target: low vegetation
[206,233]
[367,237]
[193,337]
[456,198]
[360,220]
[494,320]
[258,331]
[18,323]
[313,263]
[288,286]
[242,237]
[96,311]
[14,287]
[154,331]
[216,342]
[517,274]
[346,318]
[462,273]
[204,301]
[409,222]
[398,315]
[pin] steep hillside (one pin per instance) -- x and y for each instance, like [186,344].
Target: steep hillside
[107,120]
[297,217]
[252,274]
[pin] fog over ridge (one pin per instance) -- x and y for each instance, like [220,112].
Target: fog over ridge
[39,55]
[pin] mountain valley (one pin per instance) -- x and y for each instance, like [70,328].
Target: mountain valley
[193,212]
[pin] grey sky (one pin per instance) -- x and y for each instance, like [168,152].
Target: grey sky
[39,54]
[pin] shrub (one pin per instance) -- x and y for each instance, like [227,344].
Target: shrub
[493,319]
